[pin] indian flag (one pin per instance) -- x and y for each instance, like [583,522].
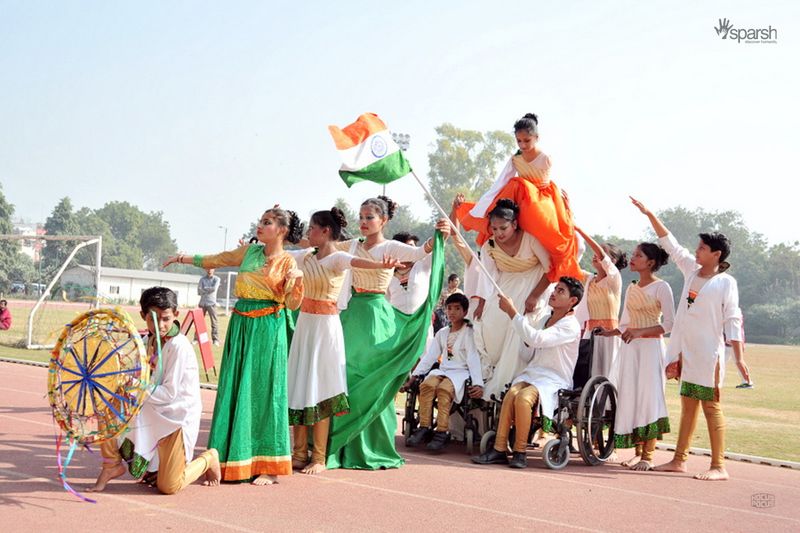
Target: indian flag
[368,152]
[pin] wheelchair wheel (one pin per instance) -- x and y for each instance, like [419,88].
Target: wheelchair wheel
[554,455]
[597,409]
[487,441]
[410,415]
[469,441]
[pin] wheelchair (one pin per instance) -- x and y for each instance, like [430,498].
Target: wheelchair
[464,408]
[589,409]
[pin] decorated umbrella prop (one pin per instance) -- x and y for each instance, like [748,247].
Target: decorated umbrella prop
[99,378]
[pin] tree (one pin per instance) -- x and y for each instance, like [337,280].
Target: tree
[350,215]
[9,250]
[464,161]
[60,222]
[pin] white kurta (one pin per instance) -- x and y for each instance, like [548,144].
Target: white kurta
[551,357]
[497,344]
[174,404]
[641,381]
[699,328]
[411,297]
[464,363]
[316,369]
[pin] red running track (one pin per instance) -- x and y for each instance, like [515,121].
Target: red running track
[443,492]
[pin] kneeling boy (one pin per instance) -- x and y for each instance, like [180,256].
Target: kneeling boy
[550,367]
[163,434]
[460,360]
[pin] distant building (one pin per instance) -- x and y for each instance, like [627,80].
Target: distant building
[33,247]
[121,285]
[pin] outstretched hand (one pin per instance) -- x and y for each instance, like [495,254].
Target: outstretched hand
[458,200]
[391,262]
[171,259]
[639,205]
[506,305]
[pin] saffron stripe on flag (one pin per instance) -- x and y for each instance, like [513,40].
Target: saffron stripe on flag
[356,133]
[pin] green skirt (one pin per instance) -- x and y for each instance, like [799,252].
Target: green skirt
[382,345]
[250,427]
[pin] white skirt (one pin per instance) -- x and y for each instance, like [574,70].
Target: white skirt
[316,371]
[495,339]
[605,361]
[640,385]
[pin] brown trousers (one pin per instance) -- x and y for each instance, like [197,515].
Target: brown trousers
[517,411]
[715,421]
[444,391]
[319,433]
[173,472]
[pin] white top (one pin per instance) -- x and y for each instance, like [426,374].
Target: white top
[555,349]
[411,297]
[612,282]
[699,328]
[528,247]
[395,249]
[175,402]
[551,357]
[338,260]
[660,290]
[505,175]
[460,363]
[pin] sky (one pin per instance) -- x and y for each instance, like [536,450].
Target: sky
[211,112]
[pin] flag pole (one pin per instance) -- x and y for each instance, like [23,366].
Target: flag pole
[453,228]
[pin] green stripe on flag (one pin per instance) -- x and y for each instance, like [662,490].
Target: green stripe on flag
[384,171]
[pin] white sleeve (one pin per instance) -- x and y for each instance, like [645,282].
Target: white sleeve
[433,352]
[339,261]
[485,288]
[473,359]
[555,335]
[664,295]
[731,314]
[626,317]
[613,278]
[299,255]
[539,251]
[683,258]
[405,252]
[174,365]
[482,205]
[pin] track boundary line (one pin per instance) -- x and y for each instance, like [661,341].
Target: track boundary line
[132,501]
[528,472]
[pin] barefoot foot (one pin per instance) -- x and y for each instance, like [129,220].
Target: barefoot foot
[264,479]
[713,474]
[313,469]
[106,474]
[673,466]
[214,473]
[642,466]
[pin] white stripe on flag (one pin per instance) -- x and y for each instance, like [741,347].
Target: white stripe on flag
[374,148]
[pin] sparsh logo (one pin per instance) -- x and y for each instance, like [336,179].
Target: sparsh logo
[724,26]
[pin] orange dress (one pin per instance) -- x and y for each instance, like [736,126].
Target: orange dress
[544,213]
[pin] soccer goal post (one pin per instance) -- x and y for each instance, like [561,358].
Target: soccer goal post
[85,240]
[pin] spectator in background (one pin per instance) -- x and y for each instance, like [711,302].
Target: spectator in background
[207,289]
[5,316]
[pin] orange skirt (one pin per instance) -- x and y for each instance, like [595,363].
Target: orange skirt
[543,213]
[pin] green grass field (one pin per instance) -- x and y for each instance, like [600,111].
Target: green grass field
[763,421]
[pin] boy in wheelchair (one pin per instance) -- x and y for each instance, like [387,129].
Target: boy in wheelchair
[460,364]
[552,358]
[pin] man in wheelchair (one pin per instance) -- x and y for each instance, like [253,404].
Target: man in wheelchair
[554,352]
[460,363]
